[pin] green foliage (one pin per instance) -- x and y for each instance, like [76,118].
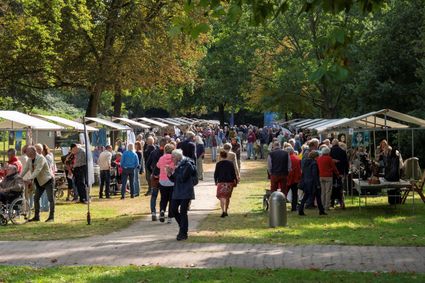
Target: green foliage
[389,65]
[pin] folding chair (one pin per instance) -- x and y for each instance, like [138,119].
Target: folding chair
[416,186]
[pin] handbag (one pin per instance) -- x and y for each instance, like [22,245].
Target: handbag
[154,181]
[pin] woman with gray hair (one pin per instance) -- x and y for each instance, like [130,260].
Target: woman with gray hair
[183,178]
[327,170]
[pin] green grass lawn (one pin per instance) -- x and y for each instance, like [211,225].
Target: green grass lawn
[376,224]
[156,274]
[71,219]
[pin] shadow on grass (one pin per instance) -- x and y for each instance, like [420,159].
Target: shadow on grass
[373,225]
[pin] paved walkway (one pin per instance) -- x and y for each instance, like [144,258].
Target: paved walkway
[153,243]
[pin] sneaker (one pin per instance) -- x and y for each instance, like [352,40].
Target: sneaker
[154,216]
[161,216]
[50,219]
[301,213]
[322,213]
[34,219]
[149,192]
[223,215]
[169,220]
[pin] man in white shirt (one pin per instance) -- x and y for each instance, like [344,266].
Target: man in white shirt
[104,163]
[43,179]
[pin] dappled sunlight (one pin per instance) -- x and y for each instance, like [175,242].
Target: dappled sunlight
[377,223]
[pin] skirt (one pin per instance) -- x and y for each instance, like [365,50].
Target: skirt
[224,190]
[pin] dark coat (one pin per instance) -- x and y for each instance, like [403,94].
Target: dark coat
[182,178]
[153,160]
[310,179]
[224,172]
[339,154]
[188,148]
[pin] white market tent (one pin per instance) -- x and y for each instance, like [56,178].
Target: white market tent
[38,130]
[382,119]
[14,120]
[109,124]
[168,121]
[132,123]
[152,122]
[68,123]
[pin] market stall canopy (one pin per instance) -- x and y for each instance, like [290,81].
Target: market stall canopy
[68,123]
[170,121]
[109,124]
[152,122]
[17,120]
[385,118]
[133,123]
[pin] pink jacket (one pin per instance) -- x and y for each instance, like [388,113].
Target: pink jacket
[162,163]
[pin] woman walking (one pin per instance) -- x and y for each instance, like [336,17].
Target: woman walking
[200,152]
[327,170]
[225,179]
[165,185]
[183,191]
[310,183]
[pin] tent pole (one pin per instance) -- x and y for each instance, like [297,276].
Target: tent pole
[374,138]
[386,128]
[413,144]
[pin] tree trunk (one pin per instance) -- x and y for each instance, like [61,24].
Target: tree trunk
[93,106]
[221,113]
[117,101]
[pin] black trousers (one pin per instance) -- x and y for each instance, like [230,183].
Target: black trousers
[179,209]
[294,189]
[80,181]
[39,190]
[105,181]
[166,193]
[312,194]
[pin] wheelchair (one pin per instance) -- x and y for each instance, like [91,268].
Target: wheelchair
[17,211]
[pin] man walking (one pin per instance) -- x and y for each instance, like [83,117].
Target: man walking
[129,162]
[80,171]
[104,163]
[43,179]
[279,165]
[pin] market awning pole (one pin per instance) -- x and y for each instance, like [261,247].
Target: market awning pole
[374,138]
[86,146]
[413,144]
[386,128]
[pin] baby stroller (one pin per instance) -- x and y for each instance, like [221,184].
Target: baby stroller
[115,184]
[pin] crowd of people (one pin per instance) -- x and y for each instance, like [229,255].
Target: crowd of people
[172,165]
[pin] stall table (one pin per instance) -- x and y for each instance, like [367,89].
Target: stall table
[384,186]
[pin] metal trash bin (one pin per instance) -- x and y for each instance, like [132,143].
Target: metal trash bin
[277,211]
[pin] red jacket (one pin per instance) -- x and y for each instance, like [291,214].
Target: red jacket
[294,176]
[326,166]
[15,161]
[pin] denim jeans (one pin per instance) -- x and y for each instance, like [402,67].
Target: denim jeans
[44,202]
[105,181]
[250,149]
[154,197]
[181,214]
[127,173]
[136,182]
[214,153]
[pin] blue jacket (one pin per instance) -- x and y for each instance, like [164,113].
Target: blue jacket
[182,178]
[129,159]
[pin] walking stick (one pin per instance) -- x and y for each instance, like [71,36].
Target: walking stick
[86,146]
